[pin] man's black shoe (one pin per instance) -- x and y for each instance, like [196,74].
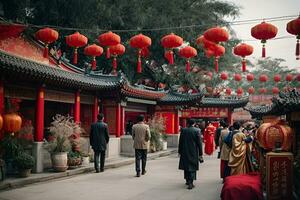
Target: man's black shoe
[186,183]
[144,172]
[97,171]
[191,186]
[138,175]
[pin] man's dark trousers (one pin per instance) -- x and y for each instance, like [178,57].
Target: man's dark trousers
[140,154]
[99,155]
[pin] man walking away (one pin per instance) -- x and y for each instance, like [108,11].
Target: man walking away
[141,136]
[99,138]
[190,151]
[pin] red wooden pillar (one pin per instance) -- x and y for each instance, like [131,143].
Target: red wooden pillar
[39,115]
[1,97]
[183,122]
[122,120]
[77,107]
[118,120]
[229,117]
[95,109]
[176,122]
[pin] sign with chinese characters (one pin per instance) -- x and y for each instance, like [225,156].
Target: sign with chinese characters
[205,112]
[279,176]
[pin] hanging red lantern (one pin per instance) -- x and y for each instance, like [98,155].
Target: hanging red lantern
[202,41]
[239,91]
[237,77]
[289,77]
[275,90]
[209,53]
[216,34]
[224,76]
[218,51]
[263,78]
[145,53]
[116,50]
[169,42]
[251,90]
[277,78]
[93,50]
[47,36]
[140,42]
[109,39]
[228,91]
[250,77]
[264,32]
[262,90]
[293,27]
[243,50]
[76,40]
[188,52]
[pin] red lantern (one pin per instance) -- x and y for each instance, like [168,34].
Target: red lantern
[209,53]
[239,91]
[218,51]
[12,122]
[145,52]
[93,50]
[224,76]
[263,78]
[204,42]
[250,77]
[263,32]
[216,35]
[251,90]
[109,39]
[262,90]
[237,77]
[115,51]
[140,42]
[275,90]
[76,40]
[243,50]
[228,91]
[293,27]
[277,78]
[169,42]
[289,77]
[47,36]
[188,52]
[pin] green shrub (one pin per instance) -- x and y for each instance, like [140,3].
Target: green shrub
[24,161]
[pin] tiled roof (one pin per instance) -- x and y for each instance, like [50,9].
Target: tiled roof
[284,103]
[131,91]
[226,102]
[176,98]
[22,68]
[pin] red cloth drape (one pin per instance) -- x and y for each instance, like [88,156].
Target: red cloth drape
[209,135]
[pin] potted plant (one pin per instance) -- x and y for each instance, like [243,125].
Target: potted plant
[59,145]
[164,141]
[24,163]
[157,127]
[85,158]
[74,159]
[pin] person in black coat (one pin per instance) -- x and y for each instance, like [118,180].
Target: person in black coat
[190,151]
[99,138]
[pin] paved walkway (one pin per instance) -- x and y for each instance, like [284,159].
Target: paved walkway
[163,181]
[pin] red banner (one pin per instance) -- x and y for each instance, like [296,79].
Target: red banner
[279,176]
[205,112]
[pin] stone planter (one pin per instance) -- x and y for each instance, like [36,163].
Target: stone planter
[85,161]
[60,161]
[23,173]
[164,145]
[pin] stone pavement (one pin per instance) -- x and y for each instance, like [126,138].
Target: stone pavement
[163,181]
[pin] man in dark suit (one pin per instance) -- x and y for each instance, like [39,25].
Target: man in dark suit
[190,151]
[99,138]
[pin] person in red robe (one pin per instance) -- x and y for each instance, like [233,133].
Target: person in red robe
[209,137]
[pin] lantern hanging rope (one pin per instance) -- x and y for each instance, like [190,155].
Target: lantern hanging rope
[188,52]
[264,31]
[109,39]
[293,27]
[47,36]
[76,40]
[169,42]
[218,51]
[93,50]
[243,50]
[115,51]
[140,42]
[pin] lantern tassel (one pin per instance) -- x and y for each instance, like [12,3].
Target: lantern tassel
[171,57]
[216,65]
[75,58]
[45,54]
[243,65]
[114,63]
[188,66]
[263,51]
[297,50]
[94,64]
[139,65]
[107,53]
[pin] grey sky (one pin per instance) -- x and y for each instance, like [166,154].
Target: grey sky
[256,9]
